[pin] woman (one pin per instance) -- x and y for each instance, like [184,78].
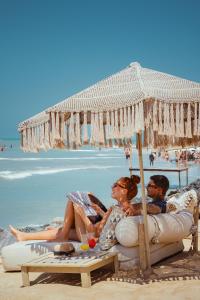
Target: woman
[77,223]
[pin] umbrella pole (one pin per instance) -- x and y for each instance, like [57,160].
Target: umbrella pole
[131,160]
[144,207]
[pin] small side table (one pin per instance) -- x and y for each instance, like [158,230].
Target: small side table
[82,263]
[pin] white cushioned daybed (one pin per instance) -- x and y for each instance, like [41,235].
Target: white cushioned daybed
[13,256]
[166,232]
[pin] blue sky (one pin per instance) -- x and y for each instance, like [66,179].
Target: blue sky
[50,50]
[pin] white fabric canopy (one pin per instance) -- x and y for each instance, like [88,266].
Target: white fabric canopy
[165,107]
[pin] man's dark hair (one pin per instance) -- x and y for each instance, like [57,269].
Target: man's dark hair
[161,181]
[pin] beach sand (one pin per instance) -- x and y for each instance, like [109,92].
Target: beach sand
[174,278]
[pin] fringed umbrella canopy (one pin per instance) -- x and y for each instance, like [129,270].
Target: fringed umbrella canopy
[165,107]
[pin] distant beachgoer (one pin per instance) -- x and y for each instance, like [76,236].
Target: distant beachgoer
[166,155]
[127,152]
[151,159]
[183,156]
[177,156]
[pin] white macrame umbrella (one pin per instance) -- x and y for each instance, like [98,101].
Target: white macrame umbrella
[136,100]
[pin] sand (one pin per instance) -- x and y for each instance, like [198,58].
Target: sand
[174,278]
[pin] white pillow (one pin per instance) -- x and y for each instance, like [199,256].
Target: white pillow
[107,237]
[186,201]
[126,230]
[173,227]
[162,228]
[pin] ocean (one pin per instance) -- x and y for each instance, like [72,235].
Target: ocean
[33,186]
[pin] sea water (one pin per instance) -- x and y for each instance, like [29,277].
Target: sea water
[33,186]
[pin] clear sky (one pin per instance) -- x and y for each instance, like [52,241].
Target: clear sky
[51,49]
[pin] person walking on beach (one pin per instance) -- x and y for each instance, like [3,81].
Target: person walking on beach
[127,152]
[166,155]
[151,158]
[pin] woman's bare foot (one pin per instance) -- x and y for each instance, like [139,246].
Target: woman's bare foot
[20,236]
[49,228]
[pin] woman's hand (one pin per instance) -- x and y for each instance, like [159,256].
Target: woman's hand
[129,210]
[98,209]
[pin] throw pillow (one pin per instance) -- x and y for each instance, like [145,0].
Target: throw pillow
[185,201]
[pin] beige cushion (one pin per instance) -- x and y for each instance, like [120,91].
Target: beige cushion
[182,201]
[162,228]
[129,257]
[126,230]
[13,256]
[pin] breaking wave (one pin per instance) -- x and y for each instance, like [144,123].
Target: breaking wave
[12,175]
[55,158]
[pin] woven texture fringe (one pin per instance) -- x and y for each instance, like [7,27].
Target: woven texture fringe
[164,124]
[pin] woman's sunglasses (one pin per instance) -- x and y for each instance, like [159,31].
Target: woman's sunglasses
[117,184]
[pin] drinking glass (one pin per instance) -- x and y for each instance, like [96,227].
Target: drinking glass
[84,242]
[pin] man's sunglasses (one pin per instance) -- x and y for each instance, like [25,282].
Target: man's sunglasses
[152,186]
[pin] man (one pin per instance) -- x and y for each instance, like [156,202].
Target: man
[127,152]
[151,158]
[156,189]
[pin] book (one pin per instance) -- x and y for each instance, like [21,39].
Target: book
[82,199]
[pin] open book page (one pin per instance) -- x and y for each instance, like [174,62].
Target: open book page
[82,198]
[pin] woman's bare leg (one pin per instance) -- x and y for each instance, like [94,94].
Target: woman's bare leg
[82,222]
[68,221]
[79,226]
[49,235]
[56,234]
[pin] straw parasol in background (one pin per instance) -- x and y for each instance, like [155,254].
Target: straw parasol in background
[160,109]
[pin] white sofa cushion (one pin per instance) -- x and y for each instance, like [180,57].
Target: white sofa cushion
[129,257]
[126,230]
[162,228]
[182,201]
[14,255]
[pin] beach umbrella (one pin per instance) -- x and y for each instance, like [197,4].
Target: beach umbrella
[160,109]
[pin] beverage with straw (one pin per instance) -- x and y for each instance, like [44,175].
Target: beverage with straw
[88,241]
[91,240]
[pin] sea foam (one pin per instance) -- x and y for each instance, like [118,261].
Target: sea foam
[56,158]
[12,175]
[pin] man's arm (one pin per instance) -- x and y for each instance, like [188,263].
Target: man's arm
[136,209]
